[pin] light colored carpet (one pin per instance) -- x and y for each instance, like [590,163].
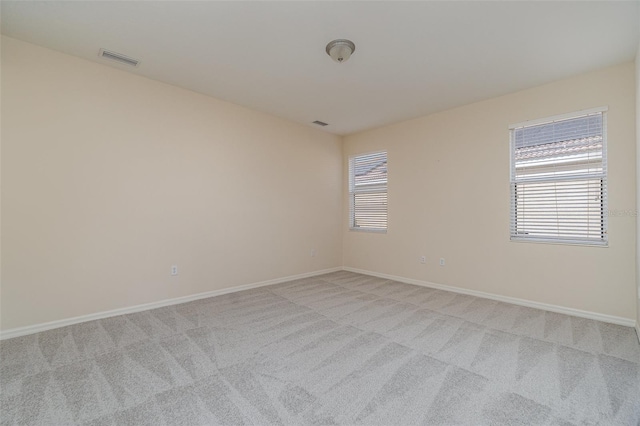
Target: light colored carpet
[341,348]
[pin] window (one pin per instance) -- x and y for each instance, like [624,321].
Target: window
[368,192]
[559,179]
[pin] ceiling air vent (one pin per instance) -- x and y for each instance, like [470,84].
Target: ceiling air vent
[320,123]
[107,54]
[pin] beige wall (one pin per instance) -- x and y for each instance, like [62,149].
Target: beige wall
[109,178]
[449,197]
[638,186]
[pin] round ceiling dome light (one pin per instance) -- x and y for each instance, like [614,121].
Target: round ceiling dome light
[340,50]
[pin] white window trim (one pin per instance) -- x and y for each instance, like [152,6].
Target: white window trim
[351,192]
[560,117]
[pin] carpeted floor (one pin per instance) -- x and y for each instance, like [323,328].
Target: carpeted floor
[341,348]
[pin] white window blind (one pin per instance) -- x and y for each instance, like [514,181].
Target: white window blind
[559,179]
[368,192]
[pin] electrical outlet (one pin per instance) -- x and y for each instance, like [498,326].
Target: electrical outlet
[174,269]
[442,261]
[423,259]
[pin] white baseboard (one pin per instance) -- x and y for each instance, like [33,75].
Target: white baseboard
[36,328]
[522,302]
[22,331]
[638,330]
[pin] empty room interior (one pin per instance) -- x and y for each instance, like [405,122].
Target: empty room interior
[320,213]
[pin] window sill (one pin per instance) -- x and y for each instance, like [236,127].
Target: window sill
[373,231]
[561,243]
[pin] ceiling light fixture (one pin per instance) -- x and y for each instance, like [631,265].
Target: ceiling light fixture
[340,50]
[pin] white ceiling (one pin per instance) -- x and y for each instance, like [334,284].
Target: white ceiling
[411,58]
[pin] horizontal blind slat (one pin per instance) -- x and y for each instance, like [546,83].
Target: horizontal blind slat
[558,180]
[368,191]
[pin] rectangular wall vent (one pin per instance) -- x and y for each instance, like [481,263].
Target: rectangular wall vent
[320,123]
[107,54]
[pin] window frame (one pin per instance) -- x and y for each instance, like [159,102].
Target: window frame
[513,183]
[352,191]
